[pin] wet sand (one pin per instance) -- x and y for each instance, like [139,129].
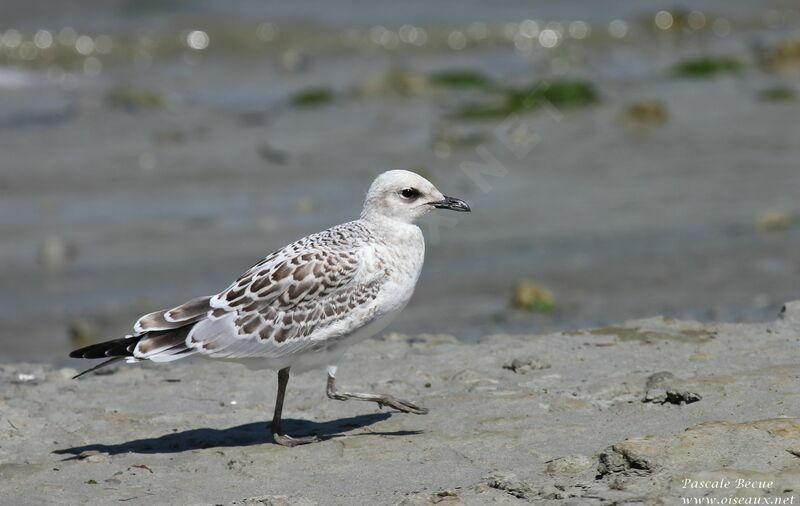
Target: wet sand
[624,413]
[153,207]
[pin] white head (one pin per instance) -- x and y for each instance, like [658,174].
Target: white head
[404,196]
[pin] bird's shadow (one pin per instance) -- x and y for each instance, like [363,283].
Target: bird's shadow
[248,434]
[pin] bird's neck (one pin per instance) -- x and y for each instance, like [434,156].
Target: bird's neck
[392,230]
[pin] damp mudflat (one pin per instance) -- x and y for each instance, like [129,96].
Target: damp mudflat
[635,161]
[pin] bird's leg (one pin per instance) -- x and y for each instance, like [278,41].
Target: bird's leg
[277,434]
[380,399]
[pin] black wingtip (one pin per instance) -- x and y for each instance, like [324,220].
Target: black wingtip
[98,366]
[114,348]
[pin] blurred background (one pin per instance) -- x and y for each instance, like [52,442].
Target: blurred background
[623,158]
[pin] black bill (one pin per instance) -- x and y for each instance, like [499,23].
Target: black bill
[453,204]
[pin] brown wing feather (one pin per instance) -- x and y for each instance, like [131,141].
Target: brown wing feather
[295,292]
[297,296]
[185,314]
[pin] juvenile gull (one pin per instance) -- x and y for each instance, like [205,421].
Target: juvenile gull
[301,306]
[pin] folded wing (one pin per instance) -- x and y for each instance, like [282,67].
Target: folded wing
[312,290]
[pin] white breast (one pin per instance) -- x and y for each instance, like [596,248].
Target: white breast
[402,257]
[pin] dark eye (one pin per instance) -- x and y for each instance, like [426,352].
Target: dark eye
[409,193]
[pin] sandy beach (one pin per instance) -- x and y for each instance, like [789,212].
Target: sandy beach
[616,415]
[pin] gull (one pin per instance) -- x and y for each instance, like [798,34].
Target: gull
[300,307]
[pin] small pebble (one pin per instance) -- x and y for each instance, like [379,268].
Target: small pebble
[53,254]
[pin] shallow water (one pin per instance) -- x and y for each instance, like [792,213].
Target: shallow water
[155,206]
